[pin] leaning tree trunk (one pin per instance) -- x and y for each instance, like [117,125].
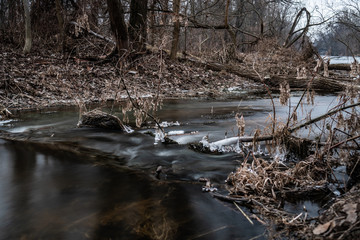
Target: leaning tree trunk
[28,38]
[118,25]
[138,24]
[176,31]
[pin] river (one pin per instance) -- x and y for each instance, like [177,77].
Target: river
[60,195]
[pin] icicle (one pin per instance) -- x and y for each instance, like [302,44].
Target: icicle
[259,151]
[279,154]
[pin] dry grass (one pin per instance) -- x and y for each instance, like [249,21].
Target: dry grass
[272,179]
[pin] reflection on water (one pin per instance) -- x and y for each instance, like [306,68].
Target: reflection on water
[60,195]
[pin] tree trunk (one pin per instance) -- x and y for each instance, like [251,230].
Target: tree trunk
[231,47]
[28,38]
[176,31]
[138,24]
[152,23]
[118,25]
[60,18]
[2,14]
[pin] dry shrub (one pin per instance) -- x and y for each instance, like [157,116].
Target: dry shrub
[270,58]
[270,179]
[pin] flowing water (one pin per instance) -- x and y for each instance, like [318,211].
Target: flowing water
[57,194]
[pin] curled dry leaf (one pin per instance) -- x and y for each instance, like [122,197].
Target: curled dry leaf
[322,228]
[350,210]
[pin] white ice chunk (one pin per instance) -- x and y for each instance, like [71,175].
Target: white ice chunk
[178,132]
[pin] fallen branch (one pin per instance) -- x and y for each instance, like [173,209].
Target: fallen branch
[342,66]
[244,214]
[230,199]
[345,141]
[94,33]
[322,117]
[234,140]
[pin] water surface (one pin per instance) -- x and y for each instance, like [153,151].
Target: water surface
[54,194]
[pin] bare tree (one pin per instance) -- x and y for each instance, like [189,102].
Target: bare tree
[176,30]
[138,24]
[59,15]
[118,26]
[28,37]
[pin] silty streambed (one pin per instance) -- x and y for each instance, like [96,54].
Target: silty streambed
[55,194]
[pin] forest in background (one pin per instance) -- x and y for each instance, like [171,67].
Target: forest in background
[66,43]
[217,29]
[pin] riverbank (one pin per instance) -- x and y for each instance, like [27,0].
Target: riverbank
[36,81]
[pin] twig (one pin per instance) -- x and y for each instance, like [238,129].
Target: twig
[296,217]
[259,220]
[345,141]
[348,230]
[260,204]
[135,105]
[322,117]
[357,162]
[229,198]
[207,233]
[271,98]
[258,236]
[243,213]
[298,104]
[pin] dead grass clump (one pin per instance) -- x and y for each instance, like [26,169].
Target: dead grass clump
[299,147]
[267,185]
[257,178]
[273,179]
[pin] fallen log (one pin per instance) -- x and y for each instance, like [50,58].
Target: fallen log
[226,145]
[320,83]
[341,67]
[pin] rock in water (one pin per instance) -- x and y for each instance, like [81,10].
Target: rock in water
[100,119]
